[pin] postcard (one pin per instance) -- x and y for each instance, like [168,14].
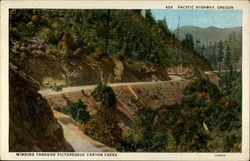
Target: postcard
[124,80]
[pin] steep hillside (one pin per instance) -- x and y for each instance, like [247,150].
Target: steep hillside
[129,98]
[32,126]
[76,47]
[210,34]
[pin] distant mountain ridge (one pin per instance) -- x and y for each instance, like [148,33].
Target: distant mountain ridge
[210,34]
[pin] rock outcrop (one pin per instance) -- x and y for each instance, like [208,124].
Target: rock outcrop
[32,125]
[86,71]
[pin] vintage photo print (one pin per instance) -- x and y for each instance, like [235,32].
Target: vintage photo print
[128,80]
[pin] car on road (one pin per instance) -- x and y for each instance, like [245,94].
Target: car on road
[56,88]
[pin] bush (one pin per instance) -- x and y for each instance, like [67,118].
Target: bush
[78,111]
[82,115]
[105,94]
[145,117]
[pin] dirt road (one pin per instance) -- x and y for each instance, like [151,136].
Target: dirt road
[72,132]
[79,141]
[78,88]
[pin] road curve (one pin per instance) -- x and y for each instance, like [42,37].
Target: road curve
[78,88]
[73,133]
[78,140]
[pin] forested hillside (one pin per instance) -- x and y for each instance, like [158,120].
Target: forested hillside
[221,46]
[226,55]
[143,44]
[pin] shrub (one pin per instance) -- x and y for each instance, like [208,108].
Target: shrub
[105,94]
[145,117]
[78,111]
[82,115]
[65,110]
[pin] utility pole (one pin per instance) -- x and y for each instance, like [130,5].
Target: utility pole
[177,31]
[107,31]
[143,13]
[177,34]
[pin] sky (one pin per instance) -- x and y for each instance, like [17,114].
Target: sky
[200,18]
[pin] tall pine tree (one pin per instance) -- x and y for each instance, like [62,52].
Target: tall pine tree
[220,54]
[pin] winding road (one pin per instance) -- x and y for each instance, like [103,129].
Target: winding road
[49,92]
[72,131]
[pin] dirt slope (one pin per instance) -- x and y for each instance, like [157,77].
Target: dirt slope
[130,98]
[85,71]
[32,125]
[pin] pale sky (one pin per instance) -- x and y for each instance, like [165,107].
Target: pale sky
[200,18]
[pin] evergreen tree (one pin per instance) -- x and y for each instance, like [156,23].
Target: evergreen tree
[150,17]
[220,54]
[229,77]
[228,58]
[163,26]
[105,94]
[188,42]
[198,46]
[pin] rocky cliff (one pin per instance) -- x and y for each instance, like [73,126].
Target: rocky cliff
[86,71]
[32,125]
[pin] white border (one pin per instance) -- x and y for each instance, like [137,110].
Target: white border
[5,5]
